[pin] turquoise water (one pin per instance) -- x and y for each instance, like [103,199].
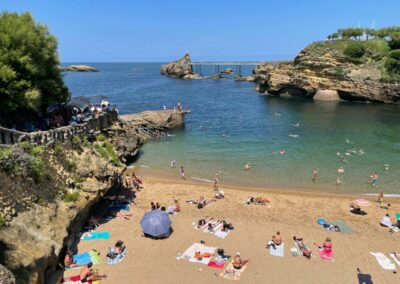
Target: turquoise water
[231,125]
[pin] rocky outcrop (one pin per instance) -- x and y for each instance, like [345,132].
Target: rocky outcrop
[43,221]
[327,95]
[181,68]
[250,78]
[227,71]
[6,277]
[80,68]
[320,66]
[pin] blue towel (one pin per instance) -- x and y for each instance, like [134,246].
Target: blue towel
[83,258]
[96,236]
[117,207]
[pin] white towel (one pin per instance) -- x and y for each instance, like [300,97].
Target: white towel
[189,253]
[221,234]
[383,261]
[278,251]
[394,258]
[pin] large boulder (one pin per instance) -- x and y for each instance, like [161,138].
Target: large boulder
[6,277]
[178,68]
[327,95]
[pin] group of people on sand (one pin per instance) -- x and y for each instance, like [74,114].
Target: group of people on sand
[175,208]
[258,200]
[133,181]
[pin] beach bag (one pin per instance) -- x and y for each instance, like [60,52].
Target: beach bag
[200,205]
[294,251]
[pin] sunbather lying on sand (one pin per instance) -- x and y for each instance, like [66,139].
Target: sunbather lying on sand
[238,263]
[355,209]
[120,214]
[174,208]
[258,200]
[302,247]
[276,240]
[69,260]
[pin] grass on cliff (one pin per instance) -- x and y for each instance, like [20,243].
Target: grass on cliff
[71,197]
[107,152]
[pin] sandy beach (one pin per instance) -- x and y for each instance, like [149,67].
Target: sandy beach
[292,213]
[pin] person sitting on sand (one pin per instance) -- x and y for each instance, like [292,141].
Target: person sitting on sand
[383,206]
[128,181]
[87,274]
[219,193]
[326,249]
[152,206]
[93,222]
[119,247]
[226,226]
[174,208]
[238,263]
[276,240]
[69,260]
[250,200]
[247,167]
[302,247]
[386,221]
[158,206]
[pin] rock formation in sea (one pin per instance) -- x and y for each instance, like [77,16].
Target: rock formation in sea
[79,68]
[39,219]
[324,72]
[181,68]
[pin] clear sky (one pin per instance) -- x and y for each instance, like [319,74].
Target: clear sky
[161,30]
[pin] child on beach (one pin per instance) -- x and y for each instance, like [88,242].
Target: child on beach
[315,176]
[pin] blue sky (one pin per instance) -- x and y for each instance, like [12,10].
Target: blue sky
[150,30]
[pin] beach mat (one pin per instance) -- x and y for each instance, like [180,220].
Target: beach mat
[278,250]
[118,207]
[221,234]
[344,228]
[196,247]
[231,273]
[86,257]
[383,261]
[95,236]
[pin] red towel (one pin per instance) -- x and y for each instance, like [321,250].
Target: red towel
[219,265]
[74,278]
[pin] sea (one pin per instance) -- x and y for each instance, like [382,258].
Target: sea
[231,124]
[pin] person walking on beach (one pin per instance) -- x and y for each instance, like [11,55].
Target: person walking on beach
[375,179]
[182,173]
[315,176]
[216,178]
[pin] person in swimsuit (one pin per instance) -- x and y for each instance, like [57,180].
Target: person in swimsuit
[340,171]
[182,173]
[375,179]
[276,240]
[315,176]
[247,166]
[69,260]
[238,263]
[87,274]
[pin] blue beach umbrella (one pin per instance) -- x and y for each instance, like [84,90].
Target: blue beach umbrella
[156,223]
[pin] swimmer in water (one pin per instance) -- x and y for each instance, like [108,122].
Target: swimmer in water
[247,166]
[386,167]
[338,181]
[281,151]
[315,176]
[296,124]
[375,179]
[173,163]
[340,171]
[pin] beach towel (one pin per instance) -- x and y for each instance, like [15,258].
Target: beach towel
[232,273]
[394,258]
[86,257]
[362,202]
[118,258]
[118,207]
[383,261]
[196,247]
[278,250]
[344,228]
[397,216]
[77,280]
[221,234]
[95,236]
[218,262]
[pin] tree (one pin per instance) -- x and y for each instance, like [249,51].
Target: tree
[368,33]
[335,36]
[30,79]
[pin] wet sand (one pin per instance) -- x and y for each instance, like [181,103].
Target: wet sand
[292,213]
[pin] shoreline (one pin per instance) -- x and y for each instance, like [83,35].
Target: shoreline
[166,177]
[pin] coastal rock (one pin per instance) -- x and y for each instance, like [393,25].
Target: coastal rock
[250,78]
[80,68]
[227,71]
[193,76]
[6,277]
[327,95]
[319,67]
[179,68]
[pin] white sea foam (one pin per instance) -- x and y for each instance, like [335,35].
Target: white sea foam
[202,179]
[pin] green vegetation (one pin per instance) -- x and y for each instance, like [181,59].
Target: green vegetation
[30,79]
[354,50]
[391,34]
[2,221]
[58,149]
[100,138]
[71,197]
[392,63]
[23,159]
[106,151]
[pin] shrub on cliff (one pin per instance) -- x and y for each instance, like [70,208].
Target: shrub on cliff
[24,160]
[29,76]
[392,63]
[354,50]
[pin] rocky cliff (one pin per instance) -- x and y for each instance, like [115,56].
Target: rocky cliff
[324,72]
[80,68]
[40,218]
[181,68]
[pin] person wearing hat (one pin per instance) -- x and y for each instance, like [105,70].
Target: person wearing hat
[238,263]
